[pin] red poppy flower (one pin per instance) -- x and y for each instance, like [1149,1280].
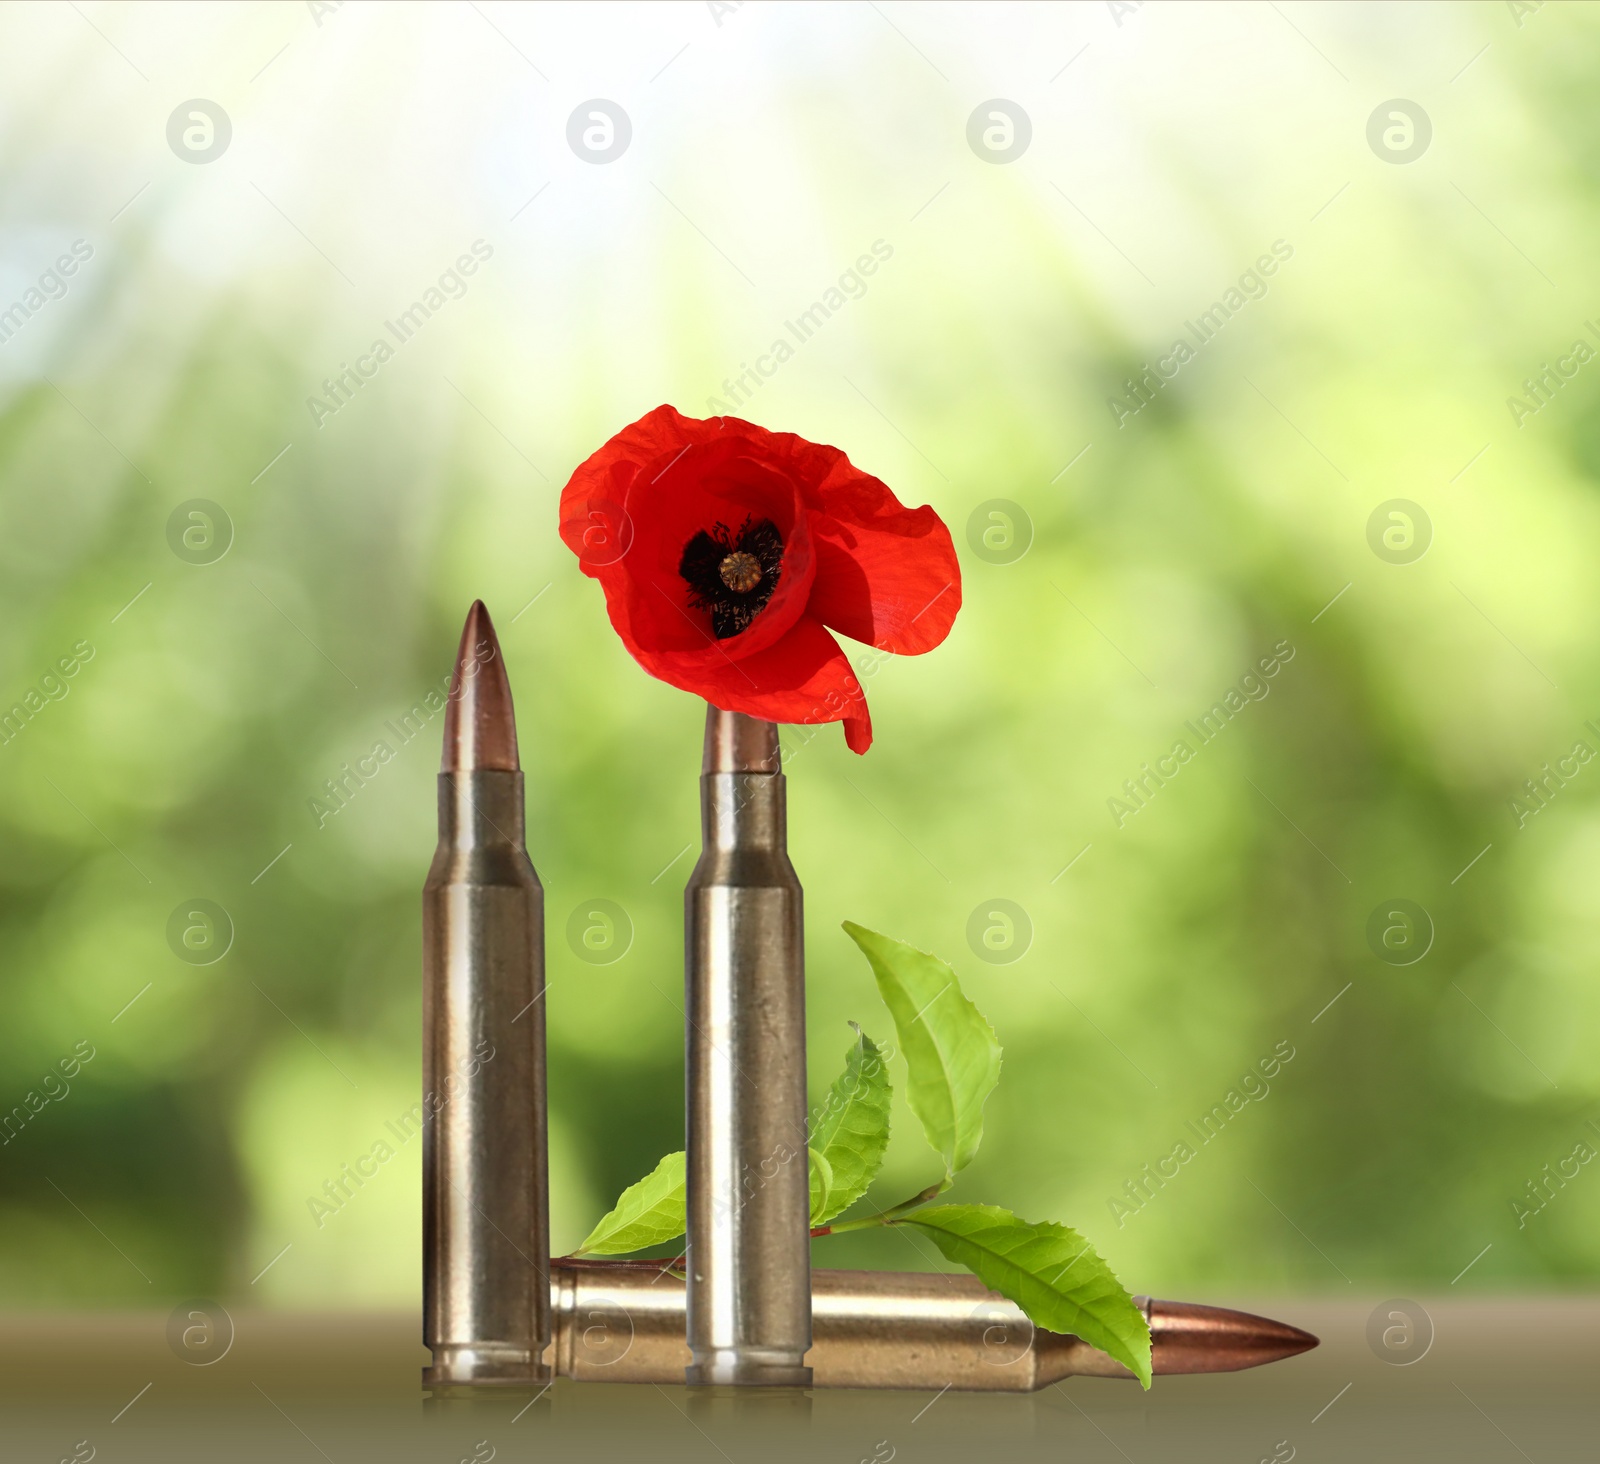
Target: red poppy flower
[727,553]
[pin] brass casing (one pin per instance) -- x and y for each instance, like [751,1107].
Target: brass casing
[623,1322]
[748,1193]
[486,1232]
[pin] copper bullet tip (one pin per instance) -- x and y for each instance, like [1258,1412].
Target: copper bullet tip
[480,727]
[736,743]
[1189,1338]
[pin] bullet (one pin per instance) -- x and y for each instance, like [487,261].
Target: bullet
[748,1195]
[623,1322]
[486,1245]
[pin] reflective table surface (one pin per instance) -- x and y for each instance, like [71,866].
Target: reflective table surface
[1499,1379]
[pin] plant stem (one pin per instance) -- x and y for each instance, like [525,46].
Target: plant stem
[886,1217]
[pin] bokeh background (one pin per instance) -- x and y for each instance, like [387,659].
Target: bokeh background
[1137,565]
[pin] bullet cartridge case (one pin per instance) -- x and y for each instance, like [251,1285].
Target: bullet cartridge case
[748,1196]
[486,1287]
[622,1322]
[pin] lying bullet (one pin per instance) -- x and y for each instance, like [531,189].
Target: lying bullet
[486,1289]
[748,1221]
[623,1322]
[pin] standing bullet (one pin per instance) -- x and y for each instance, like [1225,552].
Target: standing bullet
[748,1192]
[622,1322]
[485,1224]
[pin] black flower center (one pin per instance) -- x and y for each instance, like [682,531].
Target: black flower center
[732,575]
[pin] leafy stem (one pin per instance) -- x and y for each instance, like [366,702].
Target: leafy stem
[890,1216]
[952,1065]
[885,1217]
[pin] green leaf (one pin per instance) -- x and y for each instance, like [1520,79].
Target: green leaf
[952,1055]
[646,1213]
[821,1175]
[853,1131]
[1051,1272]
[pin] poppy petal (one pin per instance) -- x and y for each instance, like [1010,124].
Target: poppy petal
[886,574]
[594,523]
[804,678]
[608,471]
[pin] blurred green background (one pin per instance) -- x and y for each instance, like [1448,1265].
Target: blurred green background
[1167,551]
